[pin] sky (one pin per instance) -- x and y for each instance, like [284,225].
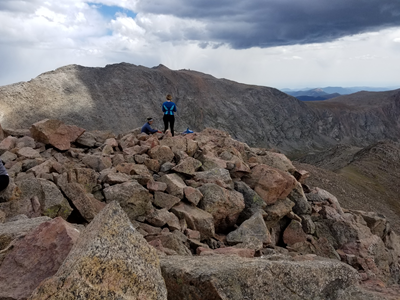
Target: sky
[276,43]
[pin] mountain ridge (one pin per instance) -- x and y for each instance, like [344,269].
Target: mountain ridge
[119,97]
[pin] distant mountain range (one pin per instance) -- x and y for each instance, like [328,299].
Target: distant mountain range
[318,94]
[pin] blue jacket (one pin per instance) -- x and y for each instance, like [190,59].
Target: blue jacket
[169,108]
[147,129]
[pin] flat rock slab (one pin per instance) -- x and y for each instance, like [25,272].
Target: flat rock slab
[236,278]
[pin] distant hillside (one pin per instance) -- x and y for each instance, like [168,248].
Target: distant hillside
[367,177]
[119,97]
[335,90]
[317,98]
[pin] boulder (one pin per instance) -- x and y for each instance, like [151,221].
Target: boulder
[133,198]
[7,144]
[210,162]
[187,166]
[224,205]
[275,160]
[171,241]
[242,252]
[294,234]
[164,200]
[162,153]
[175,184]
[9,231]
[277,211]
[96,162]
[302,206]
[252,201]
[51,200]
[196,219]
[156,186]
[161,217]
[192,195]
[116,178]
[55,133]
[217,176]
[35,257]
[221,277]
[253,228]
[28,152]
[85,203]
[110,260]
[320,195]
[271,184]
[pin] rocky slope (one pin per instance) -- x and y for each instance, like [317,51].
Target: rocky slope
[119,97]
[360,177]
[214,210]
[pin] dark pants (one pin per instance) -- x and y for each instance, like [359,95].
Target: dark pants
[171,120]
[4,181]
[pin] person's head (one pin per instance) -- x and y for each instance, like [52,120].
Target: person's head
[150,120]
[169,97]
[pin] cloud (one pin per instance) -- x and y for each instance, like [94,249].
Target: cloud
[269,23]
[285,43]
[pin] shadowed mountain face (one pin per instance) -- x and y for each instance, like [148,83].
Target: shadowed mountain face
[119,98]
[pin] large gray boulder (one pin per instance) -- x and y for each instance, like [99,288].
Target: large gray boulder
[222,277]
[110,260]
[133,198]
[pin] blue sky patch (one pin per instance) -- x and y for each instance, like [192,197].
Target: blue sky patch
[110,11]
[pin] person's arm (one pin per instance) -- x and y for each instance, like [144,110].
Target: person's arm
[152,130]
[163,108]
[174,110]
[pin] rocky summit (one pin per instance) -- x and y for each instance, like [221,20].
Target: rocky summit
[119,97]
[92,215]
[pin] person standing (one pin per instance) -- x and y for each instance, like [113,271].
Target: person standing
[168,109]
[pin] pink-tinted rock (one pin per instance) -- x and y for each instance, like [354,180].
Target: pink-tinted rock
[271,184]
[7,144]
[175,184]
[301,176]
[294,234]
[242,252]
[37,256]
[196,219]
[192,195]
[156,186]
[55,133]
[193,234]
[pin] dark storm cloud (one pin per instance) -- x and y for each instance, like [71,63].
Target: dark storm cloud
[258,23]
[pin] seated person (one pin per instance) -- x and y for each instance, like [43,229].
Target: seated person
[147,127]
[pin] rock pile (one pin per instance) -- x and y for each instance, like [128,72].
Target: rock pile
[198,195]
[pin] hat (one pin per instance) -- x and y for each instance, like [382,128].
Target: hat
[169,97]
[149,119]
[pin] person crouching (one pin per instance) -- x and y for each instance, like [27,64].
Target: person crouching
[146,128]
